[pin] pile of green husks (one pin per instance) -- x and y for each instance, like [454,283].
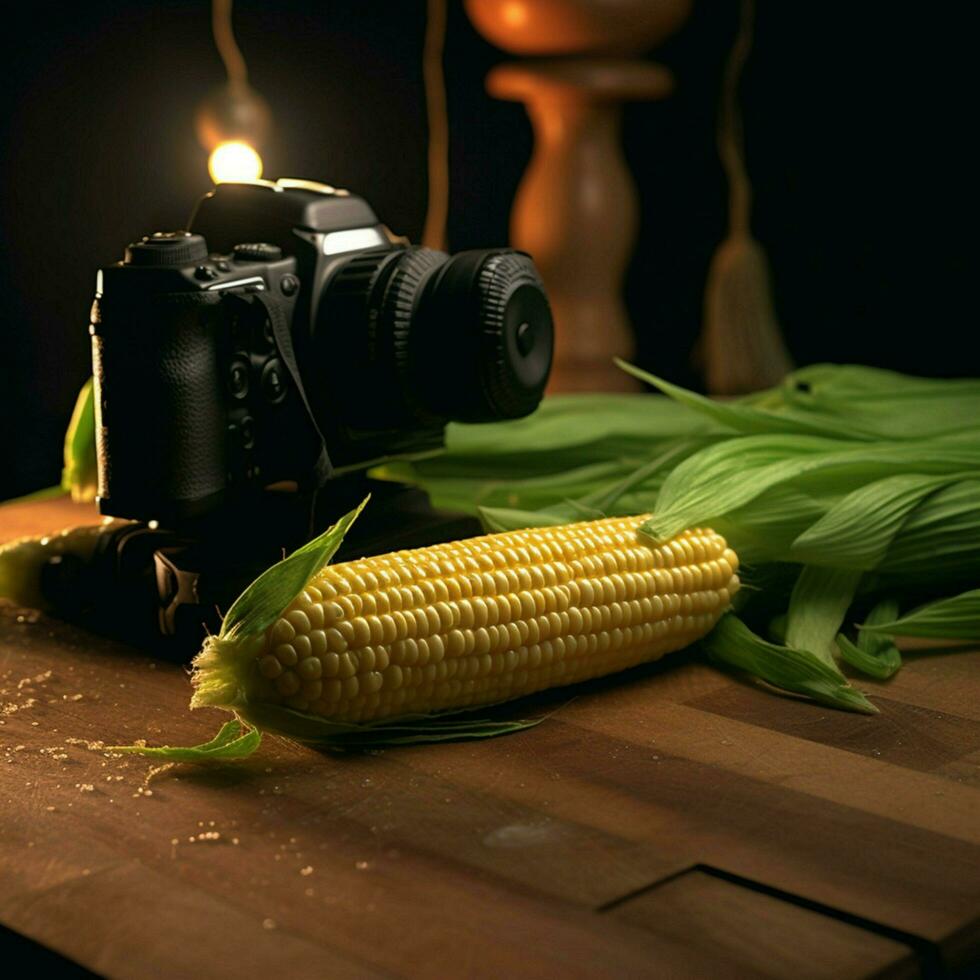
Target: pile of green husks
[852,496]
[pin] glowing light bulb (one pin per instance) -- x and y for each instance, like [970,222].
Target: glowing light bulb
[514,14]
[234,160]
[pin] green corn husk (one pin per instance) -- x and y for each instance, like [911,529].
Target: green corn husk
[860,528]
[955,618]
[732,643]
[817,606]
[874,654]
[79,475]
[884,403]
[235,740]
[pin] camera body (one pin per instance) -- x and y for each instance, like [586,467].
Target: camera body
[195,390]
[287,339]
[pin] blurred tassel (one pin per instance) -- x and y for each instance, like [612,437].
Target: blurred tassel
[741,347]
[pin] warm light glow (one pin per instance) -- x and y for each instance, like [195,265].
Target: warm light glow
[514,14]
[234,161]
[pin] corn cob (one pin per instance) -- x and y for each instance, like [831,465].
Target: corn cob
[22,560]
[475,622]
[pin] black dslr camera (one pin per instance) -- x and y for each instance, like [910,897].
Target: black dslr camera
[250,370]
[288,338]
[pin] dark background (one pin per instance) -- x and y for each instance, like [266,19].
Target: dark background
[858,118]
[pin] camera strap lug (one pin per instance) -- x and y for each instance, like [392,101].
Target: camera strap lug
[318,464]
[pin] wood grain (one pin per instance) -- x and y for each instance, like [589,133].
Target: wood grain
[887,870]
[757,935]
[596,844]
[909,735]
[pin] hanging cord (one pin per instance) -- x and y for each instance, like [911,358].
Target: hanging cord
[437,212]
[741,345]
[224,41]
[731,147]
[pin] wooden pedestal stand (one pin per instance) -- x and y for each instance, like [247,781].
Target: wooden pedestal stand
[576,208]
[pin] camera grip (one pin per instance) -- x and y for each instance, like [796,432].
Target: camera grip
[160,411]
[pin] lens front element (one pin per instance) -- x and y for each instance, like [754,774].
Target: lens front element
[483,345]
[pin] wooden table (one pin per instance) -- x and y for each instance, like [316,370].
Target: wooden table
[674,822]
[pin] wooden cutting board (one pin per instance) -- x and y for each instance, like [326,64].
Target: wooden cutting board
[671,822]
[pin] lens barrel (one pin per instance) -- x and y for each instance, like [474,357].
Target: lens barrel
[412,336]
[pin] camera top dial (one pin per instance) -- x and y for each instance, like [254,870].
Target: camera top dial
[173,248]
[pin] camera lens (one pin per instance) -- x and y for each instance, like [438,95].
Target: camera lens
[411,336]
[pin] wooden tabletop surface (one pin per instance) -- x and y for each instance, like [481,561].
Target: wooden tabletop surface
[671,822]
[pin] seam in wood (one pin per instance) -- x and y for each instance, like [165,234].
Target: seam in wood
[643,889]
[928,953]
